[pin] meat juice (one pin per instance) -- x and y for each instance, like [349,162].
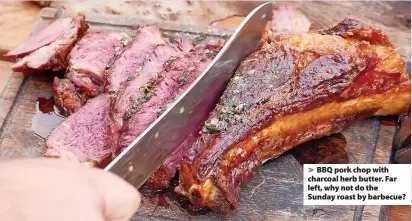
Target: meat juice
[46,118]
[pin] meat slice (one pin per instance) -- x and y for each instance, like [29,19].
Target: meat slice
[301,87]
[89,58]
[66,97]
[48,49]
[288,19]
[127,64]
[133,93]
[83,136]
[177,75]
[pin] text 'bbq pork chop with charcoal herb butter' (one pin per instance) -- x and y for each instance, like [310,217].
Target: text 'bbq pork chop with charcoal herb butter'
[298,87]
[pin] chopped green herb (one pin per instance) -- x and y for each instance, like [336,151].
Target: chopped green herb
[125,41]
[209,54]
[199,39]
[212,129]
[147,88]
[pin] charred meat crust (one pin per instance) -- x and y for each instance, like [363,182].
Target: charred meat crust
[301,87]
[66,97]
[352,28]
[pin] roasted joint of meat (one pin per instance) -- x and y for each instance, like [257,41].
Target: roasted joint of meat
[48,49]
[300,87]
[141,63]
[85,135]
[87,62]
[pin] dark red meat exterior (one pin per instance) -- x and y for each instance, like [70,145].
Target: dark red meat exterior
[48,49]
[83,136]
[89,58]
[301,87]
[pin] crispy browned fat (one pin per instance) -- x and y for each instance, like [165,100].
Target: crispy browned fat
[298,87]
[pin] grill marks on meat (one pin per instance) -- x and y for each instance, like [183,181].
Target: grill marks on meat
[89,58]
[301,87]
[48,49]
[83,136]
[177,75]
[127,64]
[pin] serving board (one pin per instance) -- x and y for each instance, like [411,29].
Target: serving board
[276,191]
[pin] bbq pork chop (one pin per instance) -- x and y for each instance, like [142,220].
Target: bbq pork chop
[297,88]
[48,49]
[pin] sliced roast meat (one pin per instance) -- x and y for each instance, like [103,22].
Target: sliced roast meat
[127,64]
[288,19]
[48,49]
[177,75]
[66,97]
[83,136]
[44,37]
[133,92]
[89,57]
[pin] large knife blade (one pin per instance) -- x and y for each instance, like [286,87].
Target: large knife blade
[149,151]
